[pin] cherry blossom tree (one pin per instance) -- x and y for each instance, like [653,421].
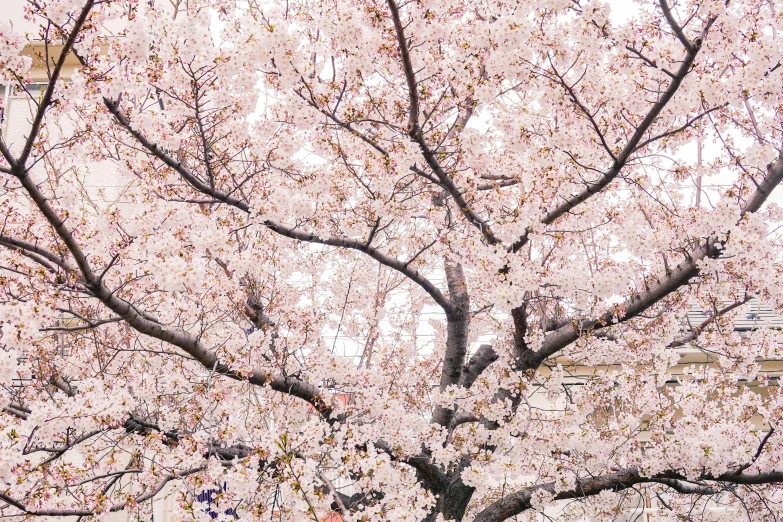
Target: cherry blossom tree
[472,199]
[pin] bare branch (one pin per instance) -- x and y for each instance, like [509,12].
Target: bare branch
[334,493]
[46,100]
[759,450]
[89,326]
[694,334]
[410,78]
[679,129]
[676,27]
[25,247]
[456,194]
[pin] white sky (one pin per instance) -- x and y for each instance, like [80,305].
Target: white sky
[622,10]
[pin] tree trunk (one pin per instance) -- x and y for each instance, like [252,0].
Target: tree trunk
[453,497]
[456,338]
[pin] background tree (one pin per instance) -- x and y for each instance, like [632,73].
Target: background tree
[519,176]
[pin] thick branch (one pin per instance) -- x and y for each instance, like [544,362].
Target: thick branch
[520,501]
[64,386]
[671,282]
[764,189]
[46,100]
[667,13]
[410,77]
[431,474]
[25,247]
[457,323]
[633,306]
[675,279]
[143,324]
[480,361]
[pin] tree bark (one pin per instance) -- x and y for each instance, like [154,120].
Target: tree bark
[453,495]
[456,338]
